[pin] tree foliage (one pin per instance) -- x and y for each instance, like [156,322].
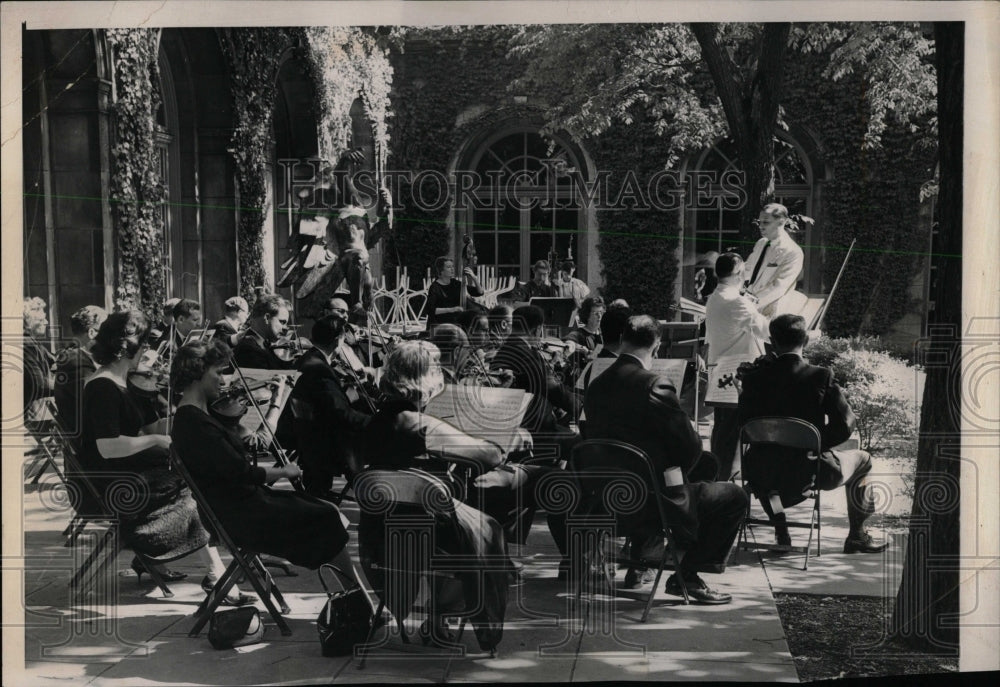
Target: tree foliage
[597,75]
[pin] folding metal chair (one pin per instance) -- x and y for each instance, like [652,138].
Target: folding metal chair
[789,432]
[244,560]
[413,505]
[617,480]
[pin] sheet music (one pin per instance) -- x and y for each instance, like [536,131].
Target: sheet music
[480,411]
[722,381]
[671,368]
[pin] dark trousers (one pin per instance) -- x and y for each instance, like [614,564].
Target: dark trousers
[719,508]
[725,439]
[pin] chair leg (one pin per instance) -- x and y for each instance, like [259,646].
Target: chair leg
[268,581]
[819,522]
[214,598]
[84,571]
[155,574]
[363,649]
[265,589]
[652,592]
[813,521]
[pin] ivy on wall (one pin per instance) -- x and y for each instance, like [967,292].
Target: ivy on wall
[348,62]
[254,56]
[136,186]
[874,194]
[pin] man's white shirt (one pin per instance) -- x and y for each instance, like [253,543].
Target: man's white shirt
[780,271]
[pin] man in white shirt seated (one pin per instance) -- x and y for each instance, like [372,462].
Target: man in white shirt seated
[733,327]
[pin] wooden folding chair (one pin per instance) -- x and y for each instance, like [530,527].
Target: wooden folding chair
[245,561]
[616,480]
[790,432]
[412,502]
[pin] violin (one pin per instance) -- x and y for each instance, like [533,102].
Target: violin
[234,401]
[353,377]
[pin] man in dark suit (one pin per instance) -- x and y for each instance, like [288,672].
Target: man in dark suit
[533,374]
[784,384]
[268,321]
[75,364]
[630,403]
[320,413]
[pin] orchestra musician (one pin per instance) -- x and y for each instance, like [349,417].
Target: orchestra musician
[402,436]
[159,330]
[588,334]
[534,373]
[612,327]
[185,316]
[305,530]
[230,328]
[75,364]
[540,286]
[776,261]
[630,403]
[463,363]
[568,286]
[38,359]
[733,327]
[501,322]
[121,445]
[325,422]
[268,322]
[783,383]
[444,297]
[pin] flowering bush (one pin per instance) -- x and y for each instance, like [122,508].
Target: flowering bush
[882,389]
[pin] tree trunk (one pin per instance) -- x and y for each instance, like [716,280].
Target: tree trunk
[751,105]
[927,604]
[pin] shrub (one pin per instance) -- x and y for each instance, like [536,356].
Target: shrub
[882,392]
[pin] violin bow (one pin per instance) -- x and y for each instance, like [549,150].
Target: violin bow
[279,452]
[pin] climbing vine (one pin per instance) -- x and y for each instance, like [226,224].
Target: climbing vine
[254,56]
[136,188]
[348,62]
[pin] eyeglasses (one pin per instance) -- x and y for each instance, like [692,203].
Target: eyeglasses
[282,321]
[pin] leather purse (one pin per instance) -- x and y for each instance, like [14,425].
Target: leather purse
[346,618]
[235,627]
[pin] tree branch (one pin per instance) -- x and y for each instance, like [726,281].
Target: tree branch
[726,75]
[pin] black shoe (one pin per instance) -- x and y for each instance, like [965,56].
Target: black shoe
[634,579]
[232,600]
[863,543]
[782,537]
[441,637]
[697,590]
[168,575]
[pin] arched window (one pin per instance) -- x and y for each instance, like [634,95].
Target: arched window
[166,139]
[521,215]
[713,226]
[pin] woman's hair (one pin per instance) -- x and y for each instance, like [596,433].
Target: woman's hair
[193,360]
[413,372]
[588,306]
[120,336]
[439,263]
[31,306]
[86,318]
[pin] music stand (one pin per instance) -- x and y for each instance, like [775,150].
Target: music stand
[557,310]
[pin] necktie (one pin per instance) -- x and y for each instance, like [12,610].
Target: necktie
[760,261]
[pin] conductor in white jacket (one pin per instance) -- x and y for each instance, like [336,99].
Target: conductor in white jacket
[775,263]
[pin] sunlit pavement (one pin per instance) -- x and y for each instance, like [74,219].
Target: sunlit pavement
[142,639]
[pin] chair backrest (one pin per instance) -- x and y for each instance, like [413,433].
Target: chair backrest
[782,431]
[622,474]
[91,500]
[382,491]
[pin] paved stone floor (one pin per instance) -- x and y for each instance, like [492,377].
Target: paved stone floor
[142,639]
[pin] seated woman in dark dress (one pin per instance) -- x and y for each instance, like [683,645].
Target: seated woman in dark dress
[401,436]
[300,528]
[125,455]
[444,297]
